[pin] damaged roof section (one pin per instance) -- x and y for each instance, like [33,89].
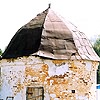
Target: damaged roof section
[27,39]
[48,35]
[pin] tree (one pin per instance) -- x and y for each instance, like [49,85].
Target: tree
[0,52]
[96,47]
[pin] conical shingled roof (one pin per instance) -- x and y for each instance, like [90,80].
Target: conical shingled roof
[47,35]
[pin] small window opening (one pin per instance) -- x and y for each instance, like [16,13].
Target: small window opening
[10,98]
[35,93]
[73,91]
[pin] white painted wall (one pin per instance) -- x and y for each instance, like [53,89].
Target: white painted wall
[20,71]
[98,94]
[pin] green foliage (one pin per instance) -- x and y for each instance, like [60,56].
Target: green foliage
[97,50]
[97,47]
[0,52]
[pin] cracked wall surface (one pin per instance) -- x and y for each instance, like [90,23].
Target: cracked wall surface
[61,79]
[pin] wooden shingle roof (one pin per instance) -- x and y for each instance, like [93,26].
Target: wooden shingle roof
[47,35]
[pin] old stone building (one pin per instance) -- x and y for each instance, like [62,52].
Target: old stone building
[48,59]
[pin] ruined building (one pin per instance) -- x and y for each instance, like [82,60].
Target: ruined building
[48,59]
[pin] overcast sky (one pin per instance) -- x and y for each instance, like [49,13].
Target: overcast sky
[85,14]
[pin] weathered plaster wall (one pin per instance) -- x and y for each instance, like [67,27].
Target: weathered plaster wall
[60,78]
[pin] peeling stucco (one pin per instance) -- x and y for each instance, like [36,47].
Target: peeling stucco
[61,79]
